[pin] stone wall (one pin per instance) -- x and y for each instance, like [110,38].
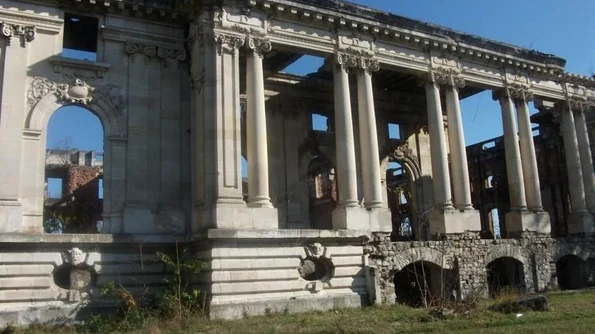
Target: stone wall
[469,256]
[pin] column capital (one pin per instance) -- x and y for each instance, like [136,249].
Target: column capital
[345,60]
[228,43]
[446,77]
[517,93]
[25,33]
[577,103]
[259,46]
[368,64]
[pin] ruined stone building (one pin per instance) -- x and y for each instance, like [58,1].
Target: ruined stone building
[328,217]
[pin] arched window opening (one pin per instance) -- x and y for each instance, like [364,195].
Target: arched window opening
[73,195]
[399,198]
[572,273]
[422,283]
[505,275]
[322,192]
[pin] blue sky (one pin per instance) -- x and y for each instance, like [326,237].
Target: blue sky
[564,28]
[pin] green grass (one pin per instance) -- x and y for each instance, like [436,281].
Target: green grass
[569,313]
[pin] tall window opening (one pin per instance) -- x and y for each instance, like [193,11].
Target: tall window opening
[73,199]
[322,192]
[80,37]
[398,200]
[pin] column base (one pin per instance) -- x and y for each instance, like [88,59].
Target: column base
[518,222]
[11,216]
[172,219]
[138,219]
[358,218]
[243,217]
[453,221]
[581,223]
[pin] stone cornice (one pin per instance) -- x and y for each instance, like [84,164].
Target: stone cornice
[126,35]
[42,23]
[400,30]
[61,62]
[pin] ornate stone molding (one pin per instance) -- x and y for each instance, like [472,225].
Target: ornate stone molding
[346,60]
[228,44]
[25,33]
[75,88]
[578,103]
[259,46]
[166,54]
[197,81]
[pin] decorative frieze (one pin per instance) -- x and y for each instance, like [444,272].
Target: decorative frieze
[25,33]
[75,88]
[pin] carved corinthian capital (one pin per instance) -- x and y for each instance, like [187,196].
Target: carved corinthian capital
[133,48]
[259,46]
[520,92]
[228,43]
[447,77]
[368,64]
[346,60]
[25,33]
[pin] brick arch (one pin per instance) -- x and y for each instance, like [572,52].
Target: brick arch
[426,254]
[502,250]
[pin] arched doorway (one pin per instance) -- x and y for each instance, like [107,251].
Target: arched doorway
[421,282]
[73,192]
[322,192]
[505,274]
[572,272]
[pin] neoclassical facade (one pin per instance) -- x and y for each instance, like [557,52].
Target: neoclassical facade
[185,91]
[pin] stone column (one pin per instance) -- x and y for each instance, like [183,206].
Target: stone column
[256,127]
[370,160]
[586,158]
[580,221]
[514,169]
[348,215]
[458,152]
[441,177]
[344,139]
[13,75]
[528,158]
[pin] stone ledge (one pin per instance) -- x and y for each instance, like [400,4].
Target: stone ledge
[88,238]
[285,234]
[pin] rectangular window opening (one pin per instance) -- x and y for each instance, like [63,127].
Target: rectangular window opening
[304,65]
[394,131]
[319,122]
[80,37]
[54,188]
